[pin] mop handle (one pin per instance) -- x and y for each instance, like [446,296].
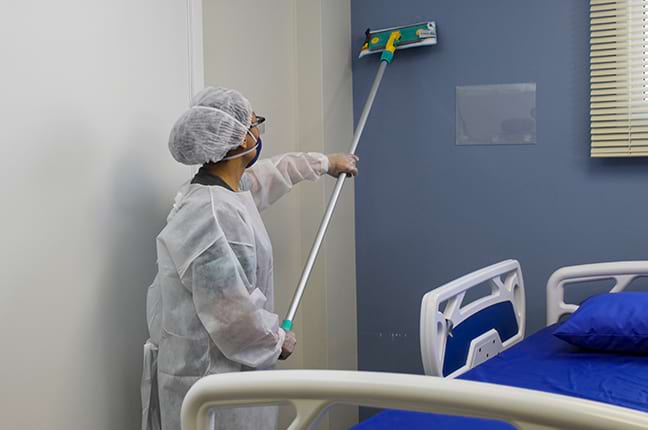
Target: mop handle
[328,214]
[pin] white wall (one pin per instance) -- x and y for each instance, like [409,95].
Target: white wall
[89,90]
[337,118]
[292,59]
[326,125]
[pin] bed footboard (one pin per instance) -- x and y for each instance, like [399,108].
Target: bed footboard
[312,392]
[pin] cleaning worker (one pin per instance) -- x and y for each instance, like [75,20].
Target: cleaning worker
[210,308]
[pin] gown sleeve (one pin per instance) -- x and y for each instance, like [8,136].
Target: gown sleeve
[270,179]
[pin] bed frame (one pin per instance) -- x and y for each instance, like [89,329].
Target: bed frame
[313,392]
[443,317]
[442,310]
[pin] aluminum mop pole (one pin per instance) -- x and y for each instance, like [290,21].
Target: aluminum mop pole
[328,214]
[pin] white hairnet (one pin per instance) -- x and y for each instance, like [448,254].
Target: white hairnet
[216,123]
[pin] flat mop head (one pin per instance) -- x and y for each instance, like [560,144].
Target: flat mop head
[404,37]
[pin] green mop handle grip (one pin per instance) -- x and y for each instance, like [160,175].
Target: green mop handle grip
[287,325]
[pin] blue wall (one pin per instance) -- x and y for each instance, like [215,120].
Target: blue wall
[429,211]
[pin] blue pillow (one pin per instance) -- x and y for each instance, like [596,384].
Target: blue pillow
[615,322]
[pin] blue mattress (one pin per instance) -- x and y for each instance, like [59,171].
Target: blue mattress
[545,363]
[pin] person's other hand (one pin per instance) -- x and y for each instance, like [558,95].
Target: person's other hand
[342,163]
[288,346]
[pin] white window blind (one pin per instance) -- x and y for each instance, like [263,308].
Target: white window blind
[618,76]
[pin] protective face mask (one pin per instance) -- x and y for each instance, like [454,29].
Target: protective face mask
[258,145]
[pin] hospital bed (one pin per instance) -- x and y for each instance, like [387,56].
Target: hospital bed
[481,373]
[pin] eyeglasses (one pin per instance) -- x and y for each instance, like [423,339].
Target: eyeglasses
[260,120]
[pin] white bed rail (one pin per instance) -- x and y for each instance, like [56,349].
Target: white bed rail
[507,285]
[622,272]
[312,392]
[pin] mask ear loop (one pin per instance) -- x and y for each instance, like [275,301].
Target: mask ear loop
[256,145]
